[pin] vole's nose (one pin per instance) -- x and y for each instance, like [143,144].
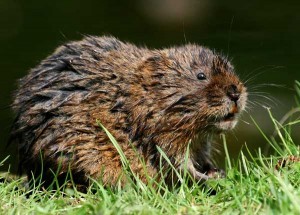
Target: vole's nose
[232,93]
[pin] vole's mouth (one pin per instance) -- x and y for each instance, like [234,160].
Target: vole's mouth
[229,117]
[227,122]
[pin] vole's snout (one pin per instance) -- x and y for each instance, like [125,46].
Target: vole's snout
[233,93]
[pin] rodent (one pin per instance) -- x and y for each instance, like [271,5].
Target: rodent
[174,98]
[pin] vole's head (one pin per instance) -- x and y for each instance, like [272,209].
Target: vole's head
[197,84]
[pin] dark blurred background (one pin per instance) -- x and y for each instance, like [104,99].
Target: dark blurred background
[261,38]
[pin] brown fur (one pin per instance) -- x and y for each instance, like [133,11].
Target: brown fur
[145,97]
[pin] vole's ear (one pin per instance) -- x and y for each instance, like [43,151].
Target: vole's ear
[221,64]
[155,63]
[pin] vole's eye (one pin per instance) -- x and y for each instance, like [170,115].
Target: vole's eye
[201,76]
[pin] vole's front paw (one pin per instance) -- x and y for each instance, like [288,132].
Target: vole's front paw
[216,173]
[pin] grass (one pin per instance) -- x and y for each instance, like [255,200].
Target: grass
[255,185]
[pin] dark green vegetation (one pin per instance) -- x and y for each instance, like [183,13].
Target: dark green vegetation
[254,185]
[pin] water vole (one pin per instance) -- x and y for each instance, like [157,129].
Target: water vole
[145,98]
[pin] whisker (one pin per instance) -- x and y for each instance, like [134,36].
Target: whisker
[250,77]
[235,135]
[259,86]
[269,98]
[247,123]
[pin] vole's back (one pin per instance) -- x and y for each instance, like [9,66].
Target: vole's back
[59,101]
